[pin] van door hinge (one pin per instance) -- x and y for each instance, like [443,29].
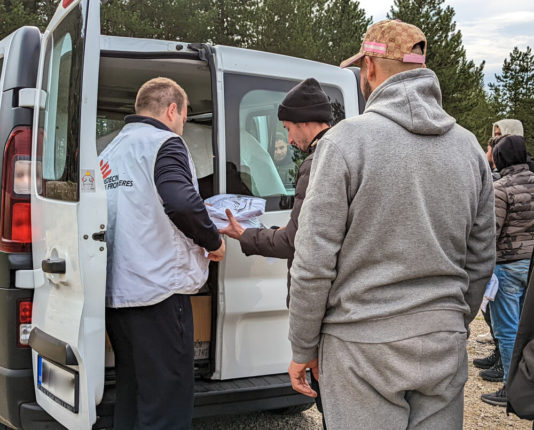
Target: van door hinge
[200,48]
[100,236]
[28,97]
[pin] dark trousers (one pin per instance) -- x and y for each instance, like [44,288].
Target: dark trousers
[315,386]
[154,364]
[487,318]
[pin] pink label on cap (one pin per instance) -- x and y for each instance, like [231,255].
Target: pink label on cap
[414,58]
[375,47]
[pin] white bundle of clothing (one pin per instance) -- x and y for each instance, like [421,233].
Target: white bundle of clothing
[491,292]
[246,209]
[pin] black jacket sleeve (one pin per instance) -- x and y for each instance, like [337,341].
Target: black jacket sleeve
[181,201]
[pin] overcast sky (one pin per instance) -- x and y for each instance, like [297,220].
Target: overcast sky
[490,28]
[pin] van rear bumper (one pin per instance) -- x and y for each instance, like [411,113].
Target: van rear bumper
[16,387]
[17,402]
[33,417]
[212,398]
[246,395]
[234,396]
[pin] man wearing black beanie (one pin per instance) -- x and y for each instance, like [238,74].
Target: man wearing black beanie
[306,102]
[306,114]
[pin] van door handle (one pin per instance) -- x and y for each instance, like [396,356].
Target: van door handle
[53,265]
[100,236]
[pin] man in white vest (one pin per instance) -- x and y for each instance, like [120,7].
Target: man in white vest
[160,240]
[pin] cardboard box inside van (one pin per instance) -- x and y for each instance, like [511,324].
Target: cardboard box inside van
[202,322]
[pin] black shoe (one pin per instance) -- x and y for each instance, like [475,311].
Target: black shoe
[496,399]
[489,361]
[494,373]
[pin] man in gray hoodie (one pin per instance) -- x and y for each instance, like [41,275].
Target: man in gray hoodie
[394,249]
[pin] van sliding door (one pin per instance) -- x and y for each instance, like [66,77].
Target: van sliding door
[69,217]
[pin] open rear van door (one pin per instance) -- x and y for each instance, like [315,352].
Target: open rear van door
[69,217]
[253,319]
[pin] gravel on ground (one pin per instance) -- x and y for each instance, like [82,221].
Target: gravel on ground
[477,414]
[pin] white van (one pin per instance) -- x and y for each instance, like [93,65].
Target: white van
[85,84]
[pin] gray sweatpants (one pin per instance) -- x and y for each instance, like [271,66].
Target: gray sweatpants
[415,383]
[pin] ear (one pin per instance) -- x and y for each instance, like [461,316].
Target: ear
[172,110]
[370,68]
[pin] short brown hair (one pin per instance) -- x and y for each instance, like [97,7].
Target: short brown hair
[156,95]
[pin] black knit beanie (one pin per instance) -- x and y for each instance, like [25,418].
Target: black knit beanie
[306,102]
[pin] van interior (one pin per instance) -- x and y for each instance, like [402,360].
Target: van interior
[119,80]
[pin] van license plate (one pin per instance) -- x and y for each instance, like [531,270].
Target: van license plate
[59,383]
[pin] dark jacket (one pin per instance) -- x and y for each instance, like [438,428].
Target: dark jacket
[514,213]
[520,384]
[279,243]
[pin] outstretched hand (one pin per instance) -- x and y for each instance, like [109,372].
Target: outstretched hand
[234,229]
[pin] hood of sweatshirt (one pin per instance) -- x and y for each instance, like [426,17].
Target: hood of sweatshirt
[509,151]
[508,126]
[412,99]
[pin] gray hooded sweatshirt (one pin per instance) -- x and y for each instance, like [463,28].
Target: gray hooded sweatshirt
[396,236]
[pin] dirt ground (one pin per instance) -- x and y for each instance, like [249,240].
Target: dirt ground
[477,414]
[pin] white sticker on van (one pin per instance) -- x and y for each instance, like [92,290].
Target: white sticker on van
[88,181]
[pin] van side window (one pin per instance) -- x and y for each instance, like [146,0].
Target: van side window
[260,161]
[106,129]
[59,122]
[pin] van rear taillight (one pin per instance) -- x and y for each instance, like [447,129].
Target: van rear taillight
[15,228]
[24,323]
[22,220]
[66,3]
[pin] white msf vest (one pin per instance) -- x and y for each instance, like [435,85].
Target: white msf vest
[149,258]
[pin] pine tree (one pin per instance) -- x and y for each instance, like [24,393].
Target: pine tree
[339,30]
[16,14]
[461,80]
[283,27]
[230,22]
[184,20]
[512,95]
[321,30]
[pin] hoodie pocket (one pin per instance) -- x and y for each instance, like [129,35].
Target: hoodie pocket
[460,378]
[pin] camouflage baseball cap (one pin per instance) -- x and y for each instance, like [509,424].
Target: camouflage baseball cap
[391,39]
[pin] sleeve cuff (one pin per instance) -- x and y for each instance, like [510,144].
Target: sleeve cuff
[245,240]
[303,355]
[214,246]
